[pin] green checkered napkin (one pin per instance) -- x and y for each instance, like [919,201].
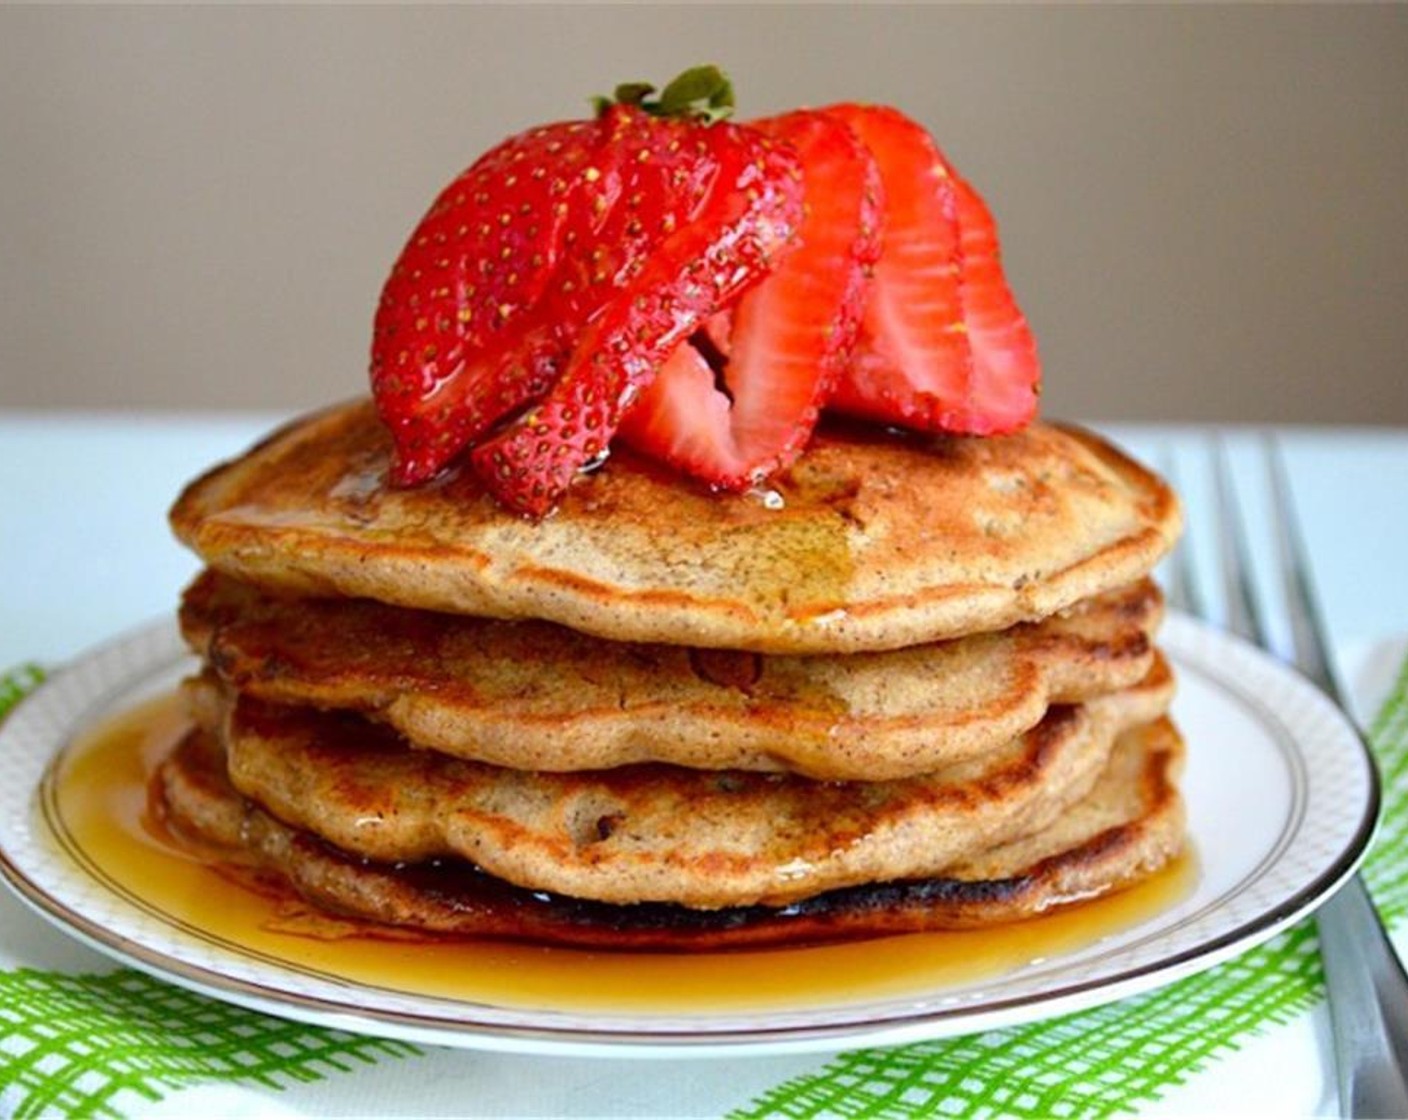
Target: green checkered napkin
[105,1044]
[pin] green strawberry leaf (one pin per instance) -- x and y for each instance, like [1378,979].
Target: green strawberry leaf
[701,93]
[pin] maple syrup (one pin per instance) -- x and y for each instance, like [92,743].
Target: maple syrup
[98,795]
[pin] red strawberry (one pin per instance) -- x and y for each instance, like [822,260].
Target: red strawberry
[657,171]
[1006,369]
[481,256]
[593,274]
[913,364]
[517,254]
[943,346]
[740,398]
[729,243]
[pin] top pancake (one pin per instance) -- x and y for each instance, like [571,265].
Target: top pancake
[871,541]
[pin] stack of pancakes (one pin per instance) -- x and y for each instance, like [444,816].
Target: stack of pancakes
[910,685]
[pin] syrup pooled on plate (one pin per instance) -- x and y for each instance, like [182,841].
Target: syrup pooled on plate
[97,795]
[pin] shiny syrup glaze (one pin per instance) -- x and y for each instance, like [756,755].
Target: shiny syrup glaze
[100,797]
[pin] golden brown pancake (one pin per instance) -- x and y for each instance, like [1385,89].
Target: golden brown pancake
[537,696]
[871,541]
[1129,826]
[660,833]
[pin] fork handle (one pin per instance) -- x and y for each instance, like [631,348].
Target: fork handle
[1360,963]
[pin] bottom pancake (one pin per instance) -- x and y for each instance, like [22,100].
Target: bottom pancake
[1128,826]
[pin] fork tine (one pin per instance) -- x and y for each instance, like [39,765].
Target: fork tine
[1181,587]
[1302,608]
[1243,615]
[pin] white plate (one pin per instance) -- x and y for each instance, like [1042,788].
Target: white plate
[1282,800]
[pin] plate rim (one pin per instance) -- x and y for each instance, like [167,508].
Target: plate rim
[853,1026]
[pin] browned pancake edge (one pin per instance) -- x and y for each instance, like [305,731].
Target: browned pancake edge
[1139,832]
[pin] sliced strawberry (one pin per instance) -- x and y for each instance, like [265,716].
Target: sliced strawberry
[480,257]
[1006,369]
[519,253]
[747,218]
[715,337]
[739,400]
[913,363]
[550,284]
[943,346]
[646,177]
[660,169]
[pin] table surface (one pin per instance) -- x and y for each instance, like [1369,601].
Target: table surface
[85,555]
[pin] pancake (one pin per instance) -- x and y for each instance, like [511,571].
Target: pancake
[662,833]
[537,696]
[1129,826]
[872,541]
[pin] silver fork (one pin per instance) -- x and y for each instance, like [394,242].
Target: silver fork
[1364,979]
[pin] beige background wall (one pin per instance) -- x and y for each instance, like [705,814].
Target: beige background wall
[1203,208]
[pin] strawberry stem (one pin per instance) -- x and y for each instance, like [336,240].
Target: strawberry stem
[701,93]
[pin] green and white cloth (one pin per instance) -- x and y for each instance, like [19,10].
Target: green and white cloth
[80,1037]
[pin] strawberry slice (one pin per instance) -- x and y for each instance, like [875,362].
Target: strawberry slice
[632,273]
[657,171]
[943,346]
[482,254]
[515,257]
[913,363]
[1006,369]
[746,220]
[740,398]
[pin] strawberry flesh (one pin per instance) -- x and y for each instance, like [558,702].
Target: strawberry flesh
[703,289]
[1006,369]
[738,401]
[913,364]
[611,190]
[481,256]
[746,219]
[943,347]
